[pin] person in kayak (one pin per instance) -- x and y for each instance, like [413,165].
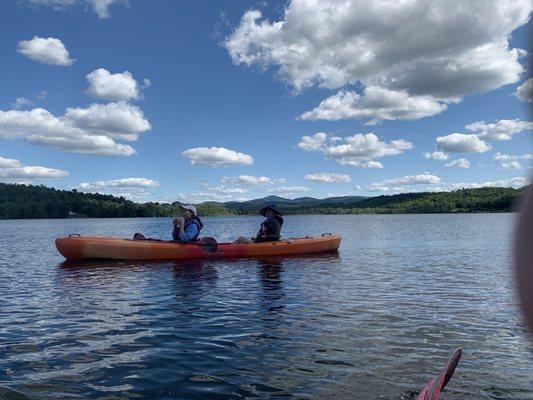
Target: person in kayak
[270,228]
[187,227]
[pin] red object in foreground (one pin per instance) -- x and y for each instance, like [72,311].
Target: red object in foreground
[80,248]
[433,389]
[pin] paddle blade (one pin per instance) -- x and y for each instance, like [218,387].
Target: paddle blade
[210,244]
[433,389]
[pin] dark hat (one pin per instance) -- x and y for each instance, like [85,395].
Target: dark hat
[269,207]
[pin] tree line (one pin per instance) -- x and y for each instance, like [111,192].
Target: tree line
[27,201]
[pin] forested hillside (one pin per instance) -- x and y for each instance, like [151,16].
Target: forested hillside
[22,201]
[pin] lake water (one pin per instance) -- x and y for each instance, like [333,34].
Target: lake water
[375,321]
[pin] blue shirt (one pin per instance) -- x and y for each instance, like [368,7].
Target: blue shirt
[189,233]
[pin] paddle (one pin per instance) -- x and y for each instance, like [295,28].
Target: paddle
[435,386]
[210,244]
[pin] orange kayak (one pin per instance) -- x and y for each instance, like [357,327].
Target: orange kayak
[90,247]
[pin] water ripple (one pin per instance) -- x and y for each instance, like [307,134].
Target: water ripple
[375,321]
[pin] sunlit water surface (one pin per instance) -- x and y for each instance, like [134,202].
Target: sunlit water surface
[375,321]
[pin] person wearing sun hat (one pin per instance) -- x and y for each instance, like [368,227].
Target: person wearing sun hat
[187,227]
[270,229]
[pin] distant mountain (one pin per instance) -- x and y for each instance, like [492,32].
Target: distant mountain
[287,205]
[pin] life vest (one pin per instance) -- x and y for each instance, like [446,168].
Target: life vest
[265,230]
[198,222]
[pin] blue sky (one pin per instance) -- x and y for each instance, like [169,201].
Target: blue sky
[131,97]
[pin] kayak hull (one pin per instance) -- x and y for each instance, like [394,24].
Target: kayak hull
[94,247]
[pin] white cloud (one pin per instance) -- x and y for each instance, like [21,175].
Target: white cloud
[45,50]
[516,182]
[376,104]
[443,49]
[325,177]
[507,161]
[100,7]
[462,143]
[511,165]
[91,130]
[56,4]
[364,147]
[9,163]
[359,150]
[315,142]
[43,94]
[525,91]
[84,144]
[120,184]
[119,120]
[250,180]
[134,189]
[500,130]
[367,164]
[217,157]
[12,170]
[21,102]
[289,190]
[113,87]
[224,190]
[459,163]
[404,183]
[200,197]
[436,155]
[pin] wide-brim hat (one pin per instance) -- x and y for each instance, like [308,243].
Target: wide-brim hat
[269,207]
[191,208]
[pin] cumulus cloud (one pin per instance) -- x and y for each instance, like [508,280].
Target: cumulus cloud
[500,130]
[446,50]
[436,155]
[135,189]
[112,87]
[217,157]
[289,190]
[91,130]
[359,150]
[315,142]
[201,197]
[224,190]
[507,161]
[250,180]
[376,104]
[120,184]
[516,182]
[367,164]
[12,170]
[404,183]
[525,91]
[118,120]
[50,51]
[220,193]
[363,147]
[56,4]
[21,102]
[326,177]
[460,163]
[462,143]
[99,7]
